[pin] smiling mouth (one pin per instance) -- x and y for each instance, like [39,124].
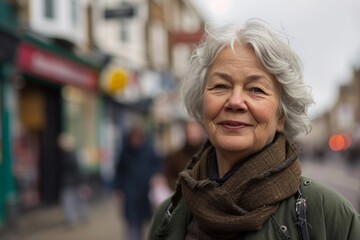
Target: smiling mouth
[233,124]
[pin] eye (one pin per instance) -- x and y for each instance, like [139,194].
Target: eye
[256,90]
[220,86]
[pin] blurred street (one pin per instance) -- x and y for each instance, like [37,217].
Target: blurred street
[95,70]
[104,222]
[44,224]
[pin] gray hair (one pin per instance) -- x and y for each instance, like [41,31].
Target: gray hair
[272,49]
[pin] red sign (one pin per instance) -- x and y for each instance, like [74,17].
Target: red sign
[55,68]
[189,38]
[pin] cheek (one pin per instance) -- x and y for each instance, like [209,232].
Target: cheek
[208,108]
[264,113]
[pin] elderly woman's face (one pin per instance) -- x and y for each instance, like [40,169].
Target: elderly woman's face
[240,103]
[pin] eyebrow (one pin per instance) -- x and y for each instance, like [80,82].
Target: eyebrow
[221,75]
[257,77]
[262,79]
[252,77]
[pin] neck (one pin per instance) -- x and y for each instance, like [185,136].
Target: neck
[225,162]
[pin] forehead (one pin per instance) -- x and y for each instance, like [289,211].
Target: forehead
[239,59]
[240,55]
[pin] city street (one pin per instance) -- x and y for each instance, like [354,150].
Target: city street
[336,173]
[105,223]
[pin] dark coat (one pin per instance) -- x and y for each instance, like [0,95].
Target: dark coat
[71,175]
[177,161]
[135,167]
[329,215]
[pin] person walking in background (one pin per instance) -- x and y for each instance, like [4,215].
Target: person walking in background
[74,191]
[137,163]
[245,86]
[176,161]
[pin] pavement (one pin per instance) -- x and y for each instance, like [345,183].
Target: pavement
[104,222]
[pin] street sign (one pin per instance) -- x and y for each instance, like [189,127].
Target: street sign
[124,11]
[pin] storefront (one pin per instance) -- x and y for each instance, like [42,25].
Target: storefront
[57,92]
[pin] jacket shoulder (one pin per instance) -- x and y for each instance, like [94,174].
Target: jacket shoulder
[158,217]
[329,214]
[172,225]
[323,196]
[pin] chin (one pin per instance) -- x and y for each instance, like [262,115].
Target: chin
[234,144]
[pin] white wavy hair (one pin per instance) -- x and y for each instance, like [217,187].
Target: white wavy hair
[272,49]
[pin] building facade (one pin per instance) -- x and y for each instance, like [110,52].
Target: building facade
[83,67]
[338,129]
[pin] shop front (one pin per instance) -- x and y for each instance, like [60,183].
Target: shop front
[56,92]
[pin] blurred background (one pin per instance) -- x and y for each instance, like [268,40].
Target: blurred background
[88,68]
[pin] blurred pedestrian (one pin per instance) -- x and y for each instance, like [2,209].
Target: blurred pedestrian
[176,161]
[245,87]
[74,191]
[137,163]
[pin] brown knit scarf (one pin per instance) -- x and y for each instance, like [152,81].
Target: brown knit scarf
[248,198]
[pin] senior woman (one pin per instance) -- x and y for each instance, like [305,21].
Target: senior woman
[245,87]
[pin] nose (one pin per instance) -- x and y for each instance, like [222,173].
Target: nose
[236,101]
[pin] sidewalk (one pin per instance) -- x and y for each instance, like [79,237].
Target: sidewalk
[44,224]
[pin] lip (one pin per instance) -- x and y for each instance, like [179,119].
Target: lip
[230,124]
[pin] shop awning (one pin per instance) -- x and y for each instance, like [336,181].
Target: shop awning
[46,60]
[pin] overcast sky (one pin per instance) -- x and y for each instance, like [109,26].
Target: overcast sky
[324,33]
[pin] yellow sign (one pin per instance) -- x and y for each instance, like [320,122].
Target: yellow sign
[116,80]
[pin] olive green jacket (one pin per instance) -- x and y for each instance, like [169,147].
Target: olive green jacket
[329,216]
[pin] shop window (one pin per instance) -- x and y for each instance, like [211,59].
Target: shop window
[124,31]
[80,120]
[32,109]
[73,10]
[49,8]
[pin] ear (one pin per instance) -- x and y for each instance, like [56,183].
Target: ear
[281,123]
